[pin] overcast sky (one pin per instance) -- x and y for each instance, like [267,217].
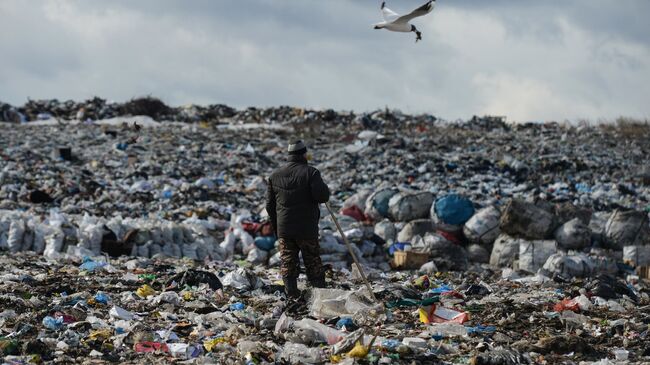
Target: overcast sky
[526,59]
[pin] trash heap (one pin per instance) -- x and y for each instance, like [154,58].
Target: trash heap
[129,237]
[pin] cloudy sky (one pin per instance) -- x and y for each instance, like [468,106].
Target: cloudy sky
[527,59]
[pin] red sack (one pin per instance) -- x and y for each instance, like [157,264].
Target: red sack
[453,237]
[250,227]
[354,212]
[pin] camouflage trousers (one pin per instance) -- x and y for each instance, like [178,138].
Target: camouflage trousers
[290,261]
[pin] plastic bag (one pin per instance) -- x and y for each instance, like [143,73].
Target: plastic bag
[578,265]
[637,255]
[627,228]
[533,254]
[418,227]
[330,303]
[483,227]
[16,235]
[90,234]
[53,242]
[573,235]
[377,203]
[523,219]
[295,353]
[453,209]
[405,207]
[386,230]
[505,251]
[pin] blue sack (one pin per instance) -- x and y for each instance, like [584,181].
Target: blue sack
[454,209]
[265,243]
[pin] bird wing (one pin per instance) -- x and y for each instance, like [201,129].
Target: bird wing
[422,10]
[387,14]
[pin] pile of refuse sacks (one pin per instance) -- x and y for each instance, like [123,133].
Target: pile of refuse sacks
[126,236]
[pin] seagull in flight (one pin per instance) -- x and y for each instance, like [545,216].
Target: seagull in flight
[400,23]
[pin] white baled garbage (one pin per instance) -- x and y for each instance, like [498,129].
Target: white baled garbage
[483,227]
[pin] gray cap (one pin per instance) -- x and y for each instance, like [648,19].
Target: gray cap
[297,148]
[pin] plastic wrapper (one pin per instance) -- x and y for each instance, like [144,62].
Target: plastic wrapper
[330,303]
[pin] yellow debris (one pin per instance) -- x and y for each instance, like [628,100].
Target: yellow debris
[359,351]
[101,335]
[145,291]
[424,315]
[212,343]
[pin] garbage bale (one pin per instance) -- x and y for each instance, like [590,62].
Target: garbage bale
[505,251]
[597,226]
[446,255]
[453,209]
[573,235]
[522,219]
[377,203]
[627,228]
[533,254]
[16,235]
[636,255]
[569,266]
[483,227]
[478,254]
[418,227]
[386,230]
[405,207]
[359,199]
[567,211]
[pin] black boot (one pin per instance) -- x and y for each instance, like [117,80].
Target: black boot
[291,287]
[318,282]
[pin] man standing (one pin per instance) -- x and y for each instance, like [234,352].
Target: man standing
[294,192]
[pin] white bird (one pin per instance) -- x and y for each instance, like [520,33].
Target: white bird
[396,23]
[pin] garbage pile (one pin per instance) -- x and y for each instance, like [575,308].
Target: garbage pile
[138,239]
[135,310]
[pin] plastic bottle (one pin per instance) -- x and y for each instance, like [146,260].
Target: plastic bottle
[442,330]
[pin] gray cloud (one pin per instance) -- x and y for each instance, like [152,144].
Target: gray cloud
[529,60]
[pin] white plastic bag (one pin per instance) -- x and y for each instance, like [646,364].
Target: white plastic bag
[483,227]
[16,235]
[533,254]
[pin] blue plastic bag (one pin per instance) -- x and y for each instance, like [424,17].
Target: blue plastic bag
[90,265]
[454,209]
[397,246]
[101,298]
[237,306]
[346,322]
[52,323]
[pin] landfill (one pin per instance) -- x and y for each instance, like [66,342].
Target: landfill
[136,233]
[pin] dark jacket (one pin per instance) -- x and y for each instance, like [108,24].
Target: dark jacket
[294,192]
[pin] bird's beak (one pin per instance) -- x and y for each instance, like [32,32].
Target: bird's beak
[377,27]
